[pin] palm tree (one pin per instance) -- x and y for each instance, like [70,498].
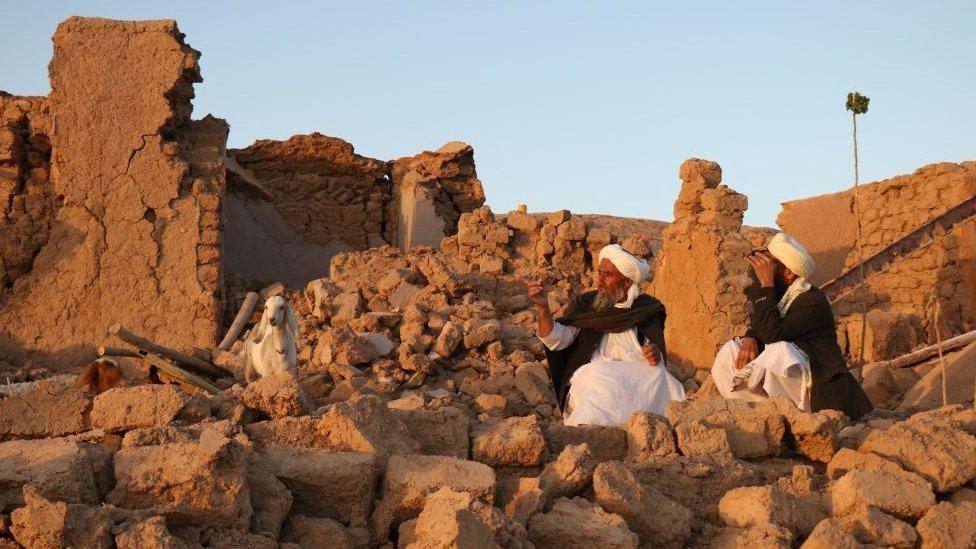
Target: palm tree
[858,104]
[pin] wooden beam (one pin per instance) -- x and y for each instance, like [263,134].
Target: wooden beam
[117,351]
[926,353]
[178,374]
[142,343]
[236,327]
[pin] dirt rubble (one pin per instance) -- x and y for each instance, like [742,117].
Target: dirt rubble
[420,413]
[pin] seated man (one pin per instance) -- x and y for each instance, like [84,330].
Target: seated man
[606,355]
[791,346]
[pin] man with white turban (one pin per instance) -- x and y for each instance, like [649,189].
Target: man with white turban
[790,348]
[606,354]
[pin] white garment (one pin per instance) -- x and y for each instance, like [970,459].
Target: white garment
[799,286]
[782,369]
[616,382]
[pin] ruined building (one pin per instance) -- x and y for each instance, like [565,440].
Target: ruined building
[116,206]
[419,412]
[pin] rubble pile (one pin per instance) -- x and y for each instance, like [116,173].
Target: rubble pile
[420,414]
[420,411]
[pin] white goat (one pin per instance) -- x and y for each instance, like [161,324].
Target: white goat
[270,346]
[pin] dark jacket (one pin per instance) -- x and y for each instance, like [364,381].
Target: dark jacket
[564,362]
[809,324]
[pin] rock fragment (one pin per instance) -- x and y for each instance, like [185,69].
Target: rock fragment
[125,408]
[515,441]
[43,523]
[336,485]
[648,436]
[888,492]
[577,524]
[657,520]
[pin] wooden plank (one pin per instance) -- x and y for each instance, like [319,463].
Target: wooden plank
[142,343]
[117,351]
[179,374]
[926,353]
[236,327]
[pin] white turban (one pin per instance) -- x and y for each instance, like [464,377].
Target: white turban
[791,253]
[632,267]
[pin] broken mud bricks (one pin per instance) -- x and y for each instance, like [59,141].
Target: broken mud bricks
[44,523]
[202,482]
[948,525]
[366,424]
[649,436]
[569,474]
[441,432]
[127,408]
[60,470]
[516,441]
[578,523]
[278,395]
[336,485]
[754,430]
[656,519]
[758,505]
[410,479]
[458,519]
[940,453]
[891,493]
[27,415]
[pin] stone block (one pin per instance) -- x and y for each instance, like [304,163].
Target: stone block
[577,524]
[515,441]
[336,485]
[656,519]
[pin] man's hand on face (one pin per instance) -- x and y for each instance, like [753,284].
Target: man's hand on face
[537,293]
[748,351]
[651,353]
[764,266]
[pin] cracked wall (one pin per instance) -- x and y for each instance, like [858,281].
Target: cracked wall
[137,237]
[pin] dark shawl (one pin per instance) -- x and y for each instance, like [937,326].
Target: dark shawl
[809,324]
[645,313]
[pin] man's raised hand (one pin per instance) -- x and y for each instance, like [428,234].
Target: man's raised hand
[764,266]
[651,353]
[537,293]
[748,351]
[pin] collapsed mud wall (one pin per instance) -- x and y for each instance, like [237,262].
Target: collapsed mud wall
[135,231]
[294,204]
[702,273]
[899,297]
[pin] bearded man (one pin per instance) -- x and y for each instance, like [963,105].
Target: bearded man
[790,348]
[606,354]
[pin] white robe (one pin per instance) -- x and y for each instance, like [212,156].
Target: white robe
[616,382]
[782,369]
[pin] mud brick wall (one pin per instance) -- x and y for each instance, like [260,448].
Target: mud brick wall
[322,188]
[891,209]
[701,272]
[28,203]
[136,234]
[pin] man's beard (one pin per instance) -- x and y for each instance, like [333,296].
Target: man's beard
[606,300]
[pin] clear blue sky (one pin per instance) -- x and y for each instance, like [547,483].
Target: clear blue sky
[590,106]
